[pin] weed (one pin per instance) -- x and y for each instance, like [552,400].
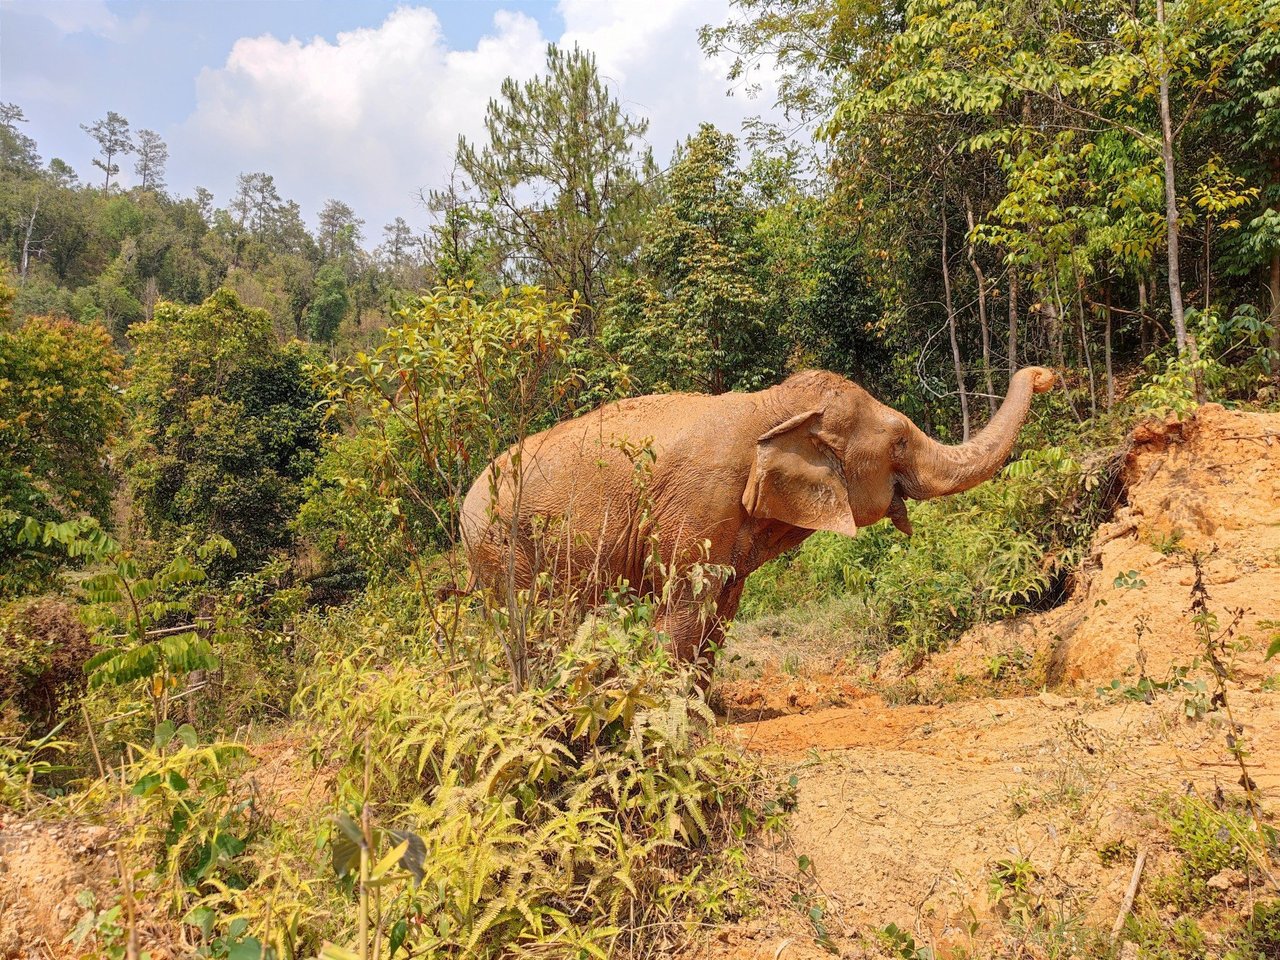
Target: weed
[23,763]
[105,927]
[1116,852]
[901,944]
[1208,841]
[1259,937]
[1169,543]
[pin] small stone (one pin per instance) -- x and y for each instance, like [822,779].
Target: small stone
[1227,879]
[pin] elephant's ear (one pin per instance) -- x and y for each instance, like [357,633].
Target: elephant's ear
[797,478]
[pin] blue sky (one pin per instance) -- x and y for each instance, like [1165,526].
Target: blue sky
[359,101]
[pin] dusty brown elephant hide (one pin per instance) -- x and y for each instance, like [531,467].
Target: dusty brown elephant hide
[752,474]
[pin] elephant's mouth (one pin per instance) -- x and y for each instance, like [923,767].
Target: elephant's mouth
[898,511]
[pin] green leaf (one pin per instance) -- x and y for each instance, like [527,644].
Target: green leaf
[250,948]
[187,734]
[398,934]
[346,845]
[164,733]
[201,917]
[388,861]
[415,853]
[146,784]
[1274,649]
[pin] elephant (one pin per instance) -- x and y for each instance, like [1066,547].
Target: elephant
[729,481]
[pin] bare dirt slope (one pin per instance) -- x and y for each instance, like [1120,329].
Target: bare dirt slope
[1211,485]
[906,812]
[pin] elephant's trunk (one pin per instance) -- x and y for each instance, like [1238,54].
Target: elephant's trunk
[938,470]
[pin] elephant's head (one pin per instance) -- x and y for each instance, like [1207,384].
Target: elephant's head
[842,460]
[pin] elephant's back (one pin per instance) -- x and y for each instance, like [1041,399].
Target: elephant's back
[593,455]
[660,421]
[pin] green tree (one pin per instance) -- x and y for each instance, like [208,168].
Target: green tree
[112,136]
[695,317]
[59,409]
[562,173]
[153,154]
[224,428]
[339,235]
[17,150]
[456,380]
[330,305]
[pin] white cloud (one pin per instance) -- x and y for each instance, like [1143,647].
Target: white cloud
[374,115]
[649,50]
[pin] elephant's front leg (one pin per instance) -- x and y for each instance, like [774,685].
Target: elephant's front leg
[695,628]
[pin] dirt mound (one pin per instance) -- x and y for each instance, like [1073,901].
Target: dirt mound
[907,812]
[778,694]
[1210,485]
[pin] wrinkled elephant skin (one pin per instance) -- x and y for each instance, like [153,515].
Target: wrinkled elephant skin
[750,474]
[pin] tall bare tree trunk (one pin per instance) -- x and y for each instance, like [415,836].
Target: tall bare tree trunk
[26,245]
[1084,346]
[1144,325]
[1186,345]
[951,324]
[982,308]
[1275,314]
[1111,379]
[1013,321]
[1053,309]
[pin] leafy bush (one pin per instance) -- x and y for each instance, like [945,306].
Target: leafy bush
[590,814]
[224,429]
[59,407]
[457,381]
[1236,358]
[552,818]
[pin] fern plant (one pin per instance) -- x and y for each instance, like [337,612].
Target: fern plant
[143,620]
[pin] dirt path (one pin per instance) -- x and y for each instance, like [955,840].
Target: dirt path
[906,812]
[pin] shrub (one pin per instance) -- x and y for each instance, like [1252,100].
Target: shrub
[224,429]
[591,814]
[59,407]
[43,650]
[459,379]
[553,818]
